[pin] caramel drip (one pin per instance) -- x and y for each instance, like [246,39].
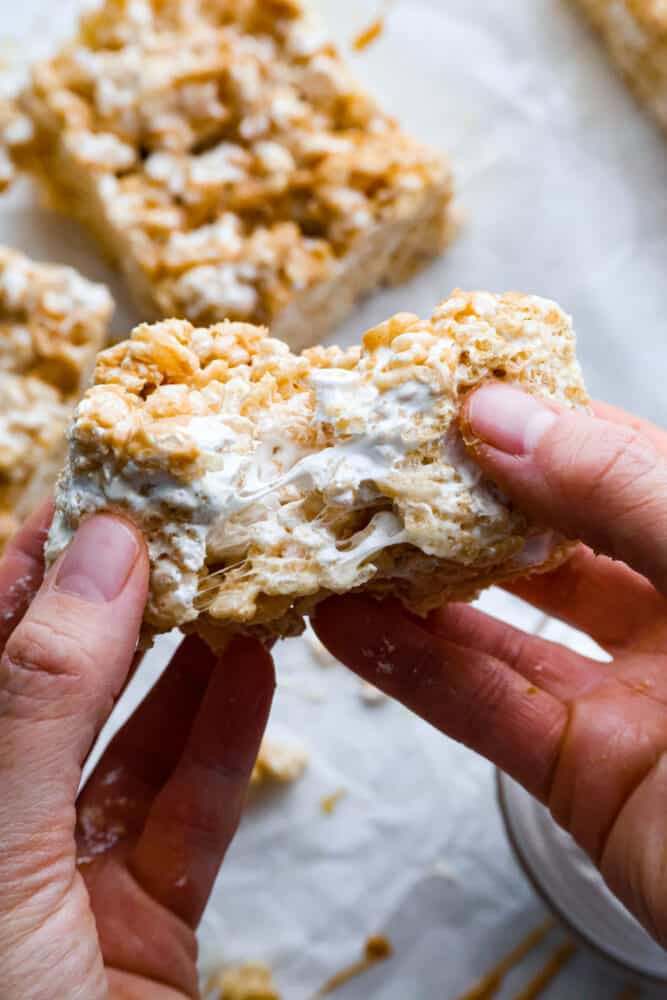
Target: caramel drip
[490,983]
[629,993]
[368,35]
[374,30]
[552,967]
[377,949]
[329,803]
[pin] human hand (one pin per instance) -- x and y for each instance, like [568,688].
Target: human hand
[99,898]
[587,738]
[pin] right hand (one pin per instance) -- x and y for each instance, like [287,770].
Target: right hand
[589,739]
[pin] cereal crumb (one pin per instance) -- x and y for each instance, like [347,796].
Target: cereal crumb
[278,763]
[371,695]
[249,981]
[442,869]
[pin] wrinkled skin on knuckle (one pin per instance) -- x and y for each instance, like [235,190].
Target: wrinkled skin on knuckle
[481,707]
[604,470]
[40,669]
[47,670]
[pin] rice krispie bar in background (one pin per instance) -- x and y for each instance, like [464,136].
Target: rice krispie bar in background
[635,32]
[229,163]
[52,323]
[265,480]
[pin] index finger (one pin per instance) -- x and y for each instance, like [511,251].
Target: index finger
[468,693]
[194,817]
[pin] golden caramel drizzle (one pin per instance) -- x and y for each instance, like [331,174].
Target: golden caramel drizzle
[373,31]
[329,802]
[551,968]
[377,949]
[490,983]
[368,35]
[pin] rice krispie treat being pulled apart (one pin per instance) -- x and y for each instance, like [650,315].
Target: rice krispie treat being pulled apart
[266,481]
[635,32]
[230,164]
[52,324]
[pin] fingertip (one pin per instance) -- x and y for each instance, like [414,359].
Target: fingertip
[341,618]
[508,419]
[106,558]
[368,635]
[248,667]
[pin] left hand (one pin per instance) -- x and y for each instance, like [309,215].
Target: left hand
[100,897]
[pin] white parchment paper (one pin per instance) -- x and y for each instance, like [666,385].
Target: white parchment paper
[563,183]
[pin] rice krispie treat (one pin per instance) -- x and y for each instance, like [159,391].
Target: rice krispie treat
[52,323]
[266,481]
[229,163]
[635,32]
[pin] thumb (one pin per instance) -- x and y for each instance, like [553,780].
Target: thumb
[60,672]
[590,479]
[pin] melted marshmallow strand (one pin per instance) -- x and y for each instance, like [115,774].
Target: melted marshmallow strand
[265,480]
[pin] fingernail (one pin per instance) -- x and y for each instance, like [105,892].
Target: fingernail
[99,560]
[508,419]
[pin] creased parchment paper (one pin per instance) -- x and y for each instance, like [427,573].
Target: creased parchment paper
[563,186]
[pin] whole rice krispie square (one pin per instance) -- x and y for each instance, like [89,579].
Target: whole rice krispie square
[230,164]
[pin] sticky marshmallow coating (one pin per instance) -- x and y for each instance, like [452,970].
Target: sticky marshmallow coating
[266,481]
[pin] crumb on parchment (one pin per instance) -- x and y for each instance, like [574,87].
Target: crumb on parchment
[248,981]
[330,802]
[278,763]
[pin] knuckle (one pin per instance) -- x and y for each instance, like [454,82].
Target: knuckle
[483,704]
[603,467]
[598,457]
[40,657]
